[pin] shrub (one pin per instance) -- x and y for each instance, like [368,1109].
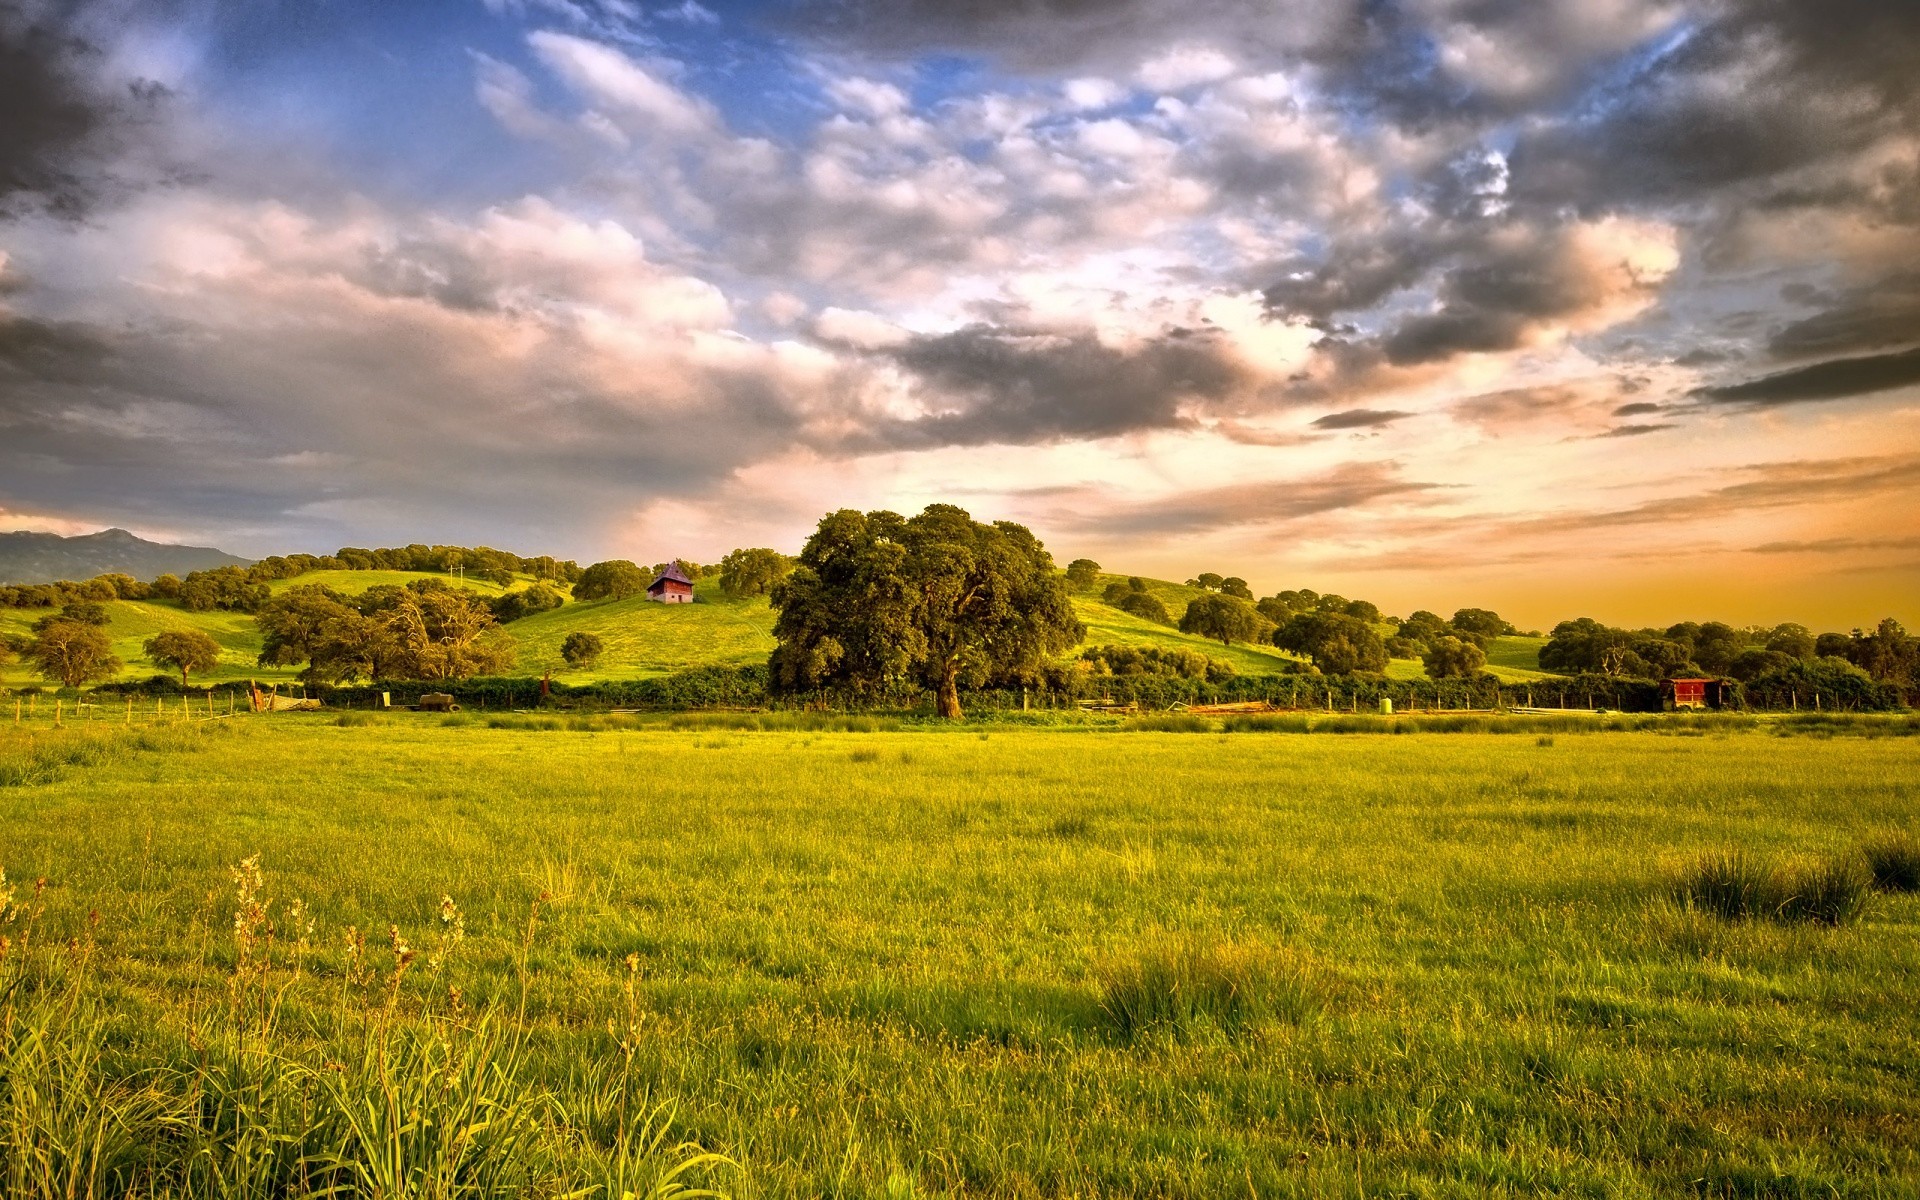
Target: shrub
[1894,861]
[1170,723]
[1730,884]
[1180,989]
[1736,886]
[1829,892]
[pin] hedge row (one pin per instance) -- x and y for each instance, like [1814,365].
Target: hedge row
[746,687]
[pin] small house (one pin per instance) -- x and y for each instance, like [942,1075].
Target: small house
[673,586]
[1696,693]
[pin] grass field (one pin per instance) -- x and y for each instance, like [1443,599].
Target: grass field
[644,638]
[134,621]
[1005,962]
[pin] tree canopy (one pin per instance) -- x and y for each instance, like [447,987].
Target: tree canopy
[939,598]
[1453,658]
[615,579]
[582,649]
[73,652]
[1225,618]
[1082,573]
[752,571]
[1336,643]
[183,650]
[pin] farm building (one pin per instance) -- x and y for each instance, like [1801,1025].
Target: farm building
[1696,693]
[673,586]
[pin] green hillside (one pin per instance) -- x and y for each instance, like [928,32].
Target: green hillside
[352,583]
[644,638]
[1516,659]
[134,621]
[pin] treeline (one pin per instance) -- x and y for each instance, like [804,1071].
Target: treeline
[747,687]
[1767,660]
[1337,635]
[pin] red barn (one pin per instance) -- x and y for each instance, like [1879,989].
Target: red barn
[1695,693]
[673,586]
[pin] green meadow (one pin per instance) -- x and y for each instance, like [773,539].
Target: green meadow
[645,640]
[864,958]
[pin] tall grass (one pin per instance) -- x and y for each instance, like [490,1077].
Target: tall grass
[986,962]
[1894,860]
[1737,885]
[385,1099]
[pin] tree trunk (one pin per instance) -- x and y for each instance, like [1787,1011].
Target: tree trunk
[947,700]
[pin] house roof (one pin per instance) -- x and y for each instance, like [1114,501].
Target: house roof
[673,573]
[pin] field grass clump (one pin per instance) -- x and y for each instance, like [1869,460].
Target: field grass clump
[1736,885]
[1181,989]
[1894,860]
[1170,723]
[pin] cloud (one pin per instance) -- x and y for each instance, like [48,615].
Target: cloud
[1625,431]
[992,384]
[1526,284]
[1872,316]
[639,98]
[1839,379]
[1277,502]
[1183,67]
[68,119]
[1837,545]
[1361,418]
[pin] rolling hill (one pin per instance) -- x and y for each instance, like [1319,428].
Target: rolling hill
[645,640]
[48,557]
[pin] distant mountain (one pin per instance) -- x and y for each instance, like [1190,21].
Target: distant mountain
[46,557]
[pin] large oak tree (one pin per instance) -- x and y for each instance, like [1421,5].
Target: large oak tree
[939,598]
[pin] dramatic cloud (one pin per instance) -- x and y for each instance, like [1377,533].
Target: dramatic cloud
[1836,380]
[1166,277]
[1360,418]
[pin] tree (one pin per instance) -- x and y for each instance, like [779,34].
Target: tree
[84,612]
[615,579]
[227,588]
[183,650]
[1888,654]
[1717,645]
[1749,665]
[1207,580]
[73,652]
[1790,639]
[1082,573]
[1453,658]
[447,634]
[1659,658]
[1227,618]
[536,597]
[1483,621]
[1363,610]
[1146,606]
[582,649]
[752,572]
[1585,645]
[1336,643]
[1235,586]
[296,622]
[939,597]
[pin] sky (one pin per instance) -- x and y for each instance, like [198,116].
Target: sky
[1560,307]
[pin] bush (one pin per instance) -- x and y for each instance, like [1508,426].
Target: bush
[1171,723]
[1736,886]
[1830,892]
[1894,861]
[1180,989]
[1731,885]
